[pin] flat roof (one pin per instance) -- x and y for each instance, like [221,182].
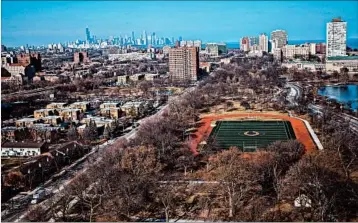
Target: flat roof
[44,109]
[343,58]
[22,145]
[80,102]
[27,119]
[52,116]
[57,103]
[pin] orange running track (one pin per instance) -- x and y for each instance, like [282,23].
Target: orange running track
[203,132]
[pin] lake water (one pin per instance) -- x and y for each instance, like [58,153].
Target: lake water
[342,93]
[351,42]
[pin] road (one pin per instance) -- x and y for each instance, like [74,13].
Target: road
[53,188]
[294,94]
[353,121]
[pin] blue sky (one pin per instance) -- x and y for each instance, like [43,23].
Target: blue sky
[42,22]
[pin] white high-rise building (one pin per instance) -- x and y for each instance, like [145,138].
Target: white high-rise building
[280,37]
[263,42]
[336,38]
[312,48]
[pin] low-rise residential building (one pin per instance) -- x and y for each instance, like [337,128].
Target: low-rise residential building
[122,80]
[12,80]
[137,77]
[305,65]
[26,122]
[206,66]
[109,105]
[19,149]
[290,51]
[216,49]
[56,105]
[133,108]
[69,113]
[83,105]
[114,113]
[100,121]
[225,60]
[52,120]
[151,77]
[40,113]
[10,133]
[339,62]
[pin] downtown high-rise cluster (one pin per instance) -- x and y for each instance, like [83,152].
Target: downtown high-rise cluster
[145,39]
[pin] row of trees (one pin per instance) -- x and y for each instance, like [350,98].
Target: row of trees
[131,179]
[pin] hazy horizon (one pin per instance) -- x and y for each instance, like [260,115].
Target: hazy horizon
[56,21]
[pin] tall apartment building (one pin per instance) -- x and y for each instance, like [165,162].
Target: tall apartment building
[279,37]
[30,58]
[336,38]
[321,48]
[263,42]
[80,57]
[254,40]
[184,63]
[245,44]
[216,49]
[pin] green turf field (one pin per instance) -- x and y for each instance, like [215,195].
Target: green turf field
[249,135]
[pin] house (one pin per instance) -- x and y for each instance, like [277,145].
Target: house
[69,113]
[114,113]
[109,105]
[10,132]
[40,113]
[21,149]
[151,77]
[137,77]
[56,105]
[26,122]
[303,201]
[100,121]
[133,108]
[122,80]
[52,120]
[84,105]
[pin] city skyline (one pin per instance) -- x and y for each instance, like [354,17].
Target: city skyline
[209,21]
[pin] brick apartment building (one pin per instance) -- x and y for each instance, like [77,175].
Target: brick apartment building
[184,63]
[30,58]
[81,57]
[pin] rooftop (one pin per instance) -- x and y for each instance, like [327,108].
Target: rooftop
[80,103]
[52,117]
[343,58]
[27,120]
[22,145]
[57,103]
[44,109]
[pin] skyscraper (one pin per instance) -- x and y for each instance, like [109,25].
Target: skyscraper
[145,38]
[133,37]
[184,63]
[336,38]
[153,39]
[88,35]
[279,37]
[263,42]
[253,40]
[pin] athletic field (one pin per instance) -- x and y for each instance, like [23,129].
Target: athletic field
[251,134]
